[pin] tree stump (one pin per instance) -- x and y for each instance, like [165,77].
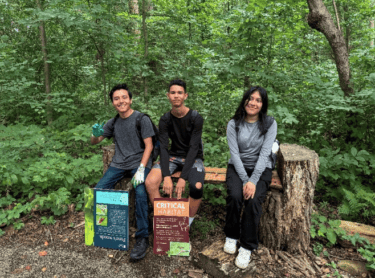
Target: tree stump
[124,184]
[286,218]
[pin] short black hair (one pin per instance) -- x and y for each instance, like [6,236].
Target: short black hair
[119,87]
[178,82]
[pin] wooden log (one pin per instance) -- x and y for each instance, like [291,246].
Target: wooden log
[286,218]
[124,184]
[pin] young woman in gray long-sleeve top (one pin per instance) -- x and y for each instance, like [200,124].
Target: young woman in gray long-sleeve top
[251,134]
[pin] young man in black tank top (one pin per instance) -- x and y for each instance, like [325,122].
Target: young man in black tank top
[184,127]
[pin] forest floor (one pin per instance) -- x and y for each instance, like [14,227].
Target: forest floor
[68,256]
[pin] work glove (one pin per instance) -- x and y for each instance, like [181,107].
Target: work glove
[275,146]
[139,176]
[97,129]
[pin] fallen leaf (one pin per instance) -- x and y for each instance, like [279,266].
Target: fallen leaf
[17,271]
[28,267]
[46,243]
[326,270]
[44,269]
[176,271]
[194,274]
[162,272]
[42,253]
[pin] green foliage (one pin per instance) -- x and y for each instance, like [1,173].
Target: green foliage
[322,227]
[368,253]
[47,221]
[318,248]
[203,227]
[215,194]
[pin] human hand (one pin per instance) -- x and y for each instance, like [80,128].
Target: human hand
[168,186]
[249,190]
[180,187]
[275,146]
[139,176]
[97,129]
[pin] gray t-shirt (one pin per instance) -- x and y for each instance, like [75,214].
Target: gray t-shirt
[250,150]
[128,151]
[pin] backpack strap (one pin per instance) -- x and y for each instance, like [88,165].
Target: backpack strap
[138,126]
[113,128]
[194,115]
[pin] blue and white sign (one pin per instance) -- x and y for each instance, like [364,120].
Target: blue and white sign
[111,219]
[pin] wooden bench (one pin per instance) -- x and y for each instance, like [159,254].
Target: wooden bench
[218,175]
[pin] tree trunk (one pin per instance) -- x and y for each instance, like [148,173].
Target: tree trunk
[47,80]
[101,56]
[286,218]
[134,9]
[145,39]
[320,19]
[347,28]
[372,26]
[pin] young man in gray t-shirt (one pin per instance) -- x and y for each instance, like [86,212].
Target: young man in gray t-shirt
[131,159]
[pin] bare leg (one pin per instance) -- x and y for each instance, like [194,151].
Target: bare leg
[152,183]
[194,203]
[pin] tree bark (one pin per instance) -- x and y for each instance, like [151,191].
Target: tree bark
[286,218]
[320,19]
[101,52]
[134,10]
[372,26]
[47,80]
[145,39]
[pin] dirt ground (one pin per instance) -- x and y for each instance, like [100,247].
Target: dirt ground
[68,256]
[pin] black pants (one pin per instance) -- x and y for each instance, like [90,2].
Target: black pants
[246,228]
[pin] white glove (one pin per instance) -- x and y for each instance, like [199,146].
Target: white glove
[275,146]
[139,176]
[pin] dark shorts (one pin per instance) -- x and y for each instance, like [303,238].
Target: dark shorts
[196,173]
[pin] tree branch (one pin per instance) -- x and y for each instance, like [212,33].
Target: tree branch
[320,19]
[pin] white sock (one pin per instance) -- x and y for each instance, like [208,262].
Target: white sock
[190,220]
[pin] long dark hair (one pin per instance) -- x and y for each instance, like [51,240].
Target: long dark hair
[240,114]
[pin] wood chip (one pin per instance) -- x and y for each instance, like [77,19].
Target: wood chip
[42,253]
[17,271]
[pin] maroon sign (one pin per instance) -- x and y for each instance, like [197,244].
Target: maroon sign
[171,223]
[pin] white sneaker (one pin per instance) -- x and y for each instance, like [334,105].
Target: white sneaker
[243,258]
[230,245]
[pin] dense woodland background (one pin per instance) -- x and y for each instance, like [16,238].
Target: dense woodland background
[59,59]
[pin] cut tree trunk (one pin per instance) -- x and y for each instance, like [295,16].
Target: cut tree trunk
[124,184]
[286,218]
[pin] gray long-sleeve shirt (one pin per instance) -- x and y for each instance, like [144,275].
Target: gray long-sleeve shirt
[250,150]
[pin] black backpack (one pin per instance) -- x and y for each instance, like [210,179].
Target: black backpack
[155,139]
[194,114]
[269,122]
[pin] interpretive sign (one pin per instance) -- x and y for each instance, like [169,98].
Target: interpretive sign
[108,224]
[171,224]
